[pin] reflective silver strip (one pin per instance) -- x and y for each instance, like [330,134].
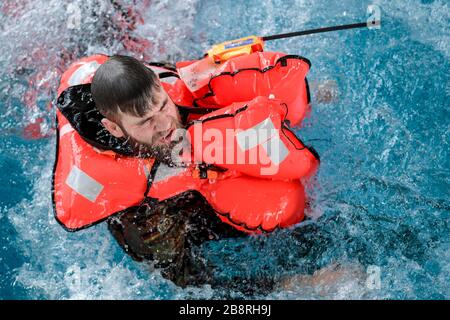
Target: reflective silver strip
[255,135]
[265,134]
[65,129]
[82,72]
[276,150]
[165,172]
[83,184]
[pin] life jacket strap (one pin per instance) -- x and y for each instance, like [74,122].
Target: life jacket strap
[206,171]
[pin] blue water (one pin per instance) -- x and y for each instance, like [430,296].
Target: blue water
[380,199]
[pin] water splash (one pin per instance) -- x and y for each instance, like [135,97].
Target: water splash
[379,200]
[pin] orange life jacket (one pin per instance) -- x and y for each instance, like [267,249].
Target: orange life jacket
[96,175]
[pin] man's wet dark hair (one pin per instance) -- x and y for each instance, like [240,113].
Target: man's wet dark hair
[123,83]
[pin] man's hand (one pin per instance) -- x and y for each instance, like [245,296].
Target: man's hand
[327,92]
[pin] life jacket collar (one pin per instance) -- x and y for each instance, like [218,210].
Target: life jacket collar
[78,107]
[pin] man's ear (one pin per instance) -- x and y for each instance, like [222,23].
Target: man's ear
[113,128]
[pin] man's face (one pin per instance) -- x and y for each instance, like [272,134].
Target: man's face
[150,135]
[155,128]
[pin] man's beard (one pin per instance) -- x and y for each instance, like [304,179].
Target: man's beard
[162,153]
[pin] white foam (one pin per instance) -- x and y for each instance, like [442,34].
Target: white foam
[427,22]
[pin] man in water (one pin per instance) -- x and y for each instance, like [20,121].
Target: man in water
[138,111]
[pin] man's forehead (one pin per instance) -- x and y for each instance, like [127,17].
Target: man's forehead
[157,98]
[158,94]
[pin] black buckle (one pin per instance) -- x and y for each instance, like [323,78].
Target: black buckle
[203,171]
